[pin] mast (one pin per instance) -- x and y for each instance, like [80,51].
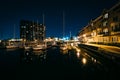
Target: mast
[44,25]
[37,32]
[33,30]
[14,32]
[63,24]
[43,19]
[70,34]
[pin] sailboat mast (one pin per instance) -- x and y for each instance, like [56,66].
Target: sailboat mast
[14,32]
[37,31]
[33,30]
[43,19]
[70,34]
[63,24]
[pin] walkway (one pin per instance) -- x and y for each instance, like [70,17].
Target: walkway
[112,49]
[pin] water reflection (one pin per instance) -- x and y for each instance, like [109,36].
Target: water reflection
[78,54]
[64,52]
[84,60]
[38,52]
[27,57]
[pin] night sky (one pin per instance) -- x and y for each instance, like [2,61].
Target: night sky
[77,14]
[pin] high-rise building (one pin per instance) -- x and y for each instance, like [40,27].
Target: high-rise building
[32,31]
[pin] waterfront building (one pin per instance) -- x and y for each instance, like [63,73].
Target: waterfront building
[105,29]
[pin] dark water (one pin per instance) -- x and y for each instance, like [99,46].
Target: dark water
[55,64]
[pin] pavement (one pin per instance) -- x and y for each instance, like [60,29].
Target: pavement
[113,49]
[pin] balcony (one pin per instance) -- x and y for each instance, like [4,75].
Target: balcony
[103,34]
[116,30]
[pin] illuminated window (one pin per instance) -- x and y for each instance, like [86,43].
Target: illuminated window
[40,29]
[114,39]
[106,15]
[91,24]
[105,30]
[105,23]
[26,31]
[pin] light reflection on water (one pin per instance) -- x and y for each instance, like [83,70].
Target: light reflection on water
[80,58]
[84,60]
[38,52]
[78,54]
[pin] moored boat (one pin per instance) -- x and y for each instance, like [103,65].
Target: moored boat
[39,47]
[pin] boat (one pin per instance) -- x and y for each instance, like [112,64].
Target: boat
[63,46]
[11,43]
[11,47]
[39,47]
[27,47]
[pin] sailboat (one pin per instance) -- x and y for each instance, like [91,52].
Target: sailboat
[40,45]
[11,43]
[11,46]
[63,46]
[27,45]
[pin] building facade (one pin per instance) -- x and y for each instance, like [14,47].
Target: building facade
[105,29]
[32,31]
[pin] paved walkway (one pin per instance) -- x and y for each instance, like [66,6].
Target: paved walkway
[112,49]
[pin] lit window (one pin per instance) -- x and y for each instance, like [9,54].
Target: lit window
[40,28]
[105,23]
[106,15]
[26,31]
[105,30]
[91,24]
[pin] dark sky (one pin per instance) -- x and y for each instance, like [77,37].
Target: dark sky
[77,14]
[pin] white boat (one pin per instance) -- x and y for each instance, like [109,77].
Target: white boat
[39,47]
[11,47]
[27,47]
[63,47]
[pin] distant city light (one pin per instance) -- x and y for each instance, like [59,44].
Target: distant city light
[65,38]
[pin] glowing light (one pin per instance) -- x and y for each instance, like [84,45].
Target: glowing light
[75,38]
[78,54]
[56,39]
[95,60]
[71,44]
[84,35]
[84,61]
[78,50]
[27,53]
